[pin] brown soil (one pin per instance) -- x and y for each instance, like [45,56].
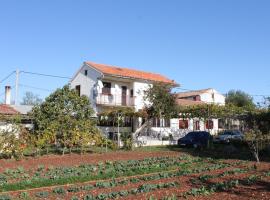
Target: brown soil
[259,190]
[76,159]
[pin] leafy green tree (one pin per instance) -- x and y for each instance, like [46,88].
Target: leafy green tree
[64,118]
[13,138]
[239,99]
[162,102]
[31,99]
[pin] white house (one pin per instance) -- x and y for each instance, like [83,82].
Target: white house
[198,97]
[109,86]
[209,96]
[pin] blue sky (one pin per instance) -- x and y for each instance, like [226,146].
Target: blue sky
[199,43]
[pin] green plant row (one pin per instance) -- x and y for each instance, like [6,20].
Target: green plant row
[19,174]
[107,174]
[186,169]
[145,188]
[223,186]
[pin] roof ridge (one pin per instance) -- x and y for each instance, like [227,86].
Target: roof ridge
[115,66]
[128,72]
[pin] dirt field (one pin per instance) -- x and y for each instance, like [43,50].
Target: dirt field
[134,175]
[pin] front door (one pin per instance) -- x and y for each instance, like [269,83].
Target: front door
[124,95]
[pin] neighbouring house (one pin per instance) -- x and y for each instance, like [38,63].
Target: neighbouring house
[111,86]
[209,96]
[8,111]
[199,97]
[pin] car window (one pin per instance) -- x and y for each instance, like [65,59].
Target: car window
[226,133]
[191,134]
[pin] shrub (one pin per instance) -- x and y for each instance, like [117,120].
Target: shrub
[5,197]
[89,197]
[42,194]
[73,189]
[59,191]
[24,195]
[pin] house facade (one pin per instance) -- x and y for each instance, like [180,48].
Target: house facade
[111,86]
[200,97]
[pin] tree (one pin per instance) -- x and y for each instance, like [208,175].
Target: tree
[64,118]
[13,138]
[239,99]
[162,102]
[31,99]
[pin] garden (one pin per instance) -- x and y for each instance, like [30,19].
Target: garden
[155,173]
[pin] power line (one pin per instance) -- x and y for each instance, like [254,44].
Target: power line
[36,88]
[48,75]
[7,77]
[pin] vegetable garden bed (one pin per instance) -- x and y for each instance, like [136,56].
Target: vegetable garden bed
[159,176]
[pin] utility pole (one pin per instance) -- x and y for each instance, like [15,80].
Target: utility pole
[118,131]
[17,87]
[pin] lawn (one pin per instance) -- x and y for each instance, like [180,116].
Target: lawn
[145,173]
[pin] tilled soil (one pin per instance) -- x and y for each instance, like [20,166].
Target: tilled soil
[76,159]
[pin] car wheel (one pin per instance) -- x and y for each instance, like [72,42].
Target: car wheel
[228,141]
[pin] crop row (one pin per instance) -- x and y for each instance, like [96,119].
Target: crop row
[226,185]
[185,170]
[144,188]
[83,173]
[12,175]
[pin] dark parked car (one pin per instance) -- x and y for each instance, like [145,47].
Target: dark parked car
[229,135]
[196,139]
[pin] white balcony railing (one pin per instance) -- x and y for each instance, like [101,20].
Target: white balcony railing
[115,100]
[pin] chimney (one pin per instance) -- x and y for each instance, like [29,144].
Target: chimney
[7,95]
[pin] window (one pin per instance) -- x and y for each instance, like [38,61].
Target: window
[106,88]
[209,124]
[161,122]
[197,125]
[156,122]
[221,123]
[183,124]
[167,123]
[85,72]
[78,89]
[131,93]
[127,122]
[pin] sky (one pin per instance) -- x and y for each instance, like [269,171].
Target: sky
[221,44]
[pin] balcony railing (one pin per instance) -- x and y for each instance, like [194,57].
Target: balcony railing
[115,100]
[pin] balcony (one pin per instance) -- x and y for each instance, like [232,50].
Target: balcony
[115,100]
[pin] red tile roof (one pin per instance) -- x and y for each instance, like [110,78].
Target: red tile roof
[130,73]
[7,110]
[187,102]
[192,93]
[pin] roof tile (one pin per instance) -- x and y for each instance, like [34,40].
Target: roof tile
[125,72]
[7,110]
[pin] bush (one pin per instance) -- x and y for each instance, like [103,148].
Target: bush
[24,195]
[127,140]
[59,191]
[5,197]
[42,194]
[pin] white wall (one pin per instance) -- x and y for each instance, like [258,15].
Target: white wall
[87,83]
[139,88]
[218,98]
